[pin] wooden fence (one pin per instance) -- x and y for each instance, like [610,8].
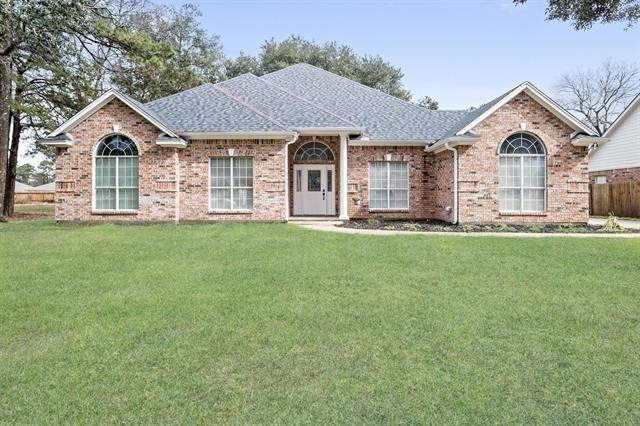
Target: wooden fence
[34,197]
[622,199]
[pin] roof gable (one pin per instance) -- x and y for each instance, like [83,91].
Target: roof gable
[623,115]
[107,97]
[475,117]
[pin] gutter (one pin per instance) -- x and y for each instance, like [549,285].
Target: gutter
[293,140]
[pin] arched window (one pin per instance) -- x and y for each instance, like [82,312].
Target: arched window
[116,174]
[523,174]
[313,151]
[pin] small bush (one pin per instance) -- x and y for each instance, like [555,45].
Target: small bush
[468,227]
[412,227]
[438,228]
[374,222]
[535,227]
[503,227]
[612,225]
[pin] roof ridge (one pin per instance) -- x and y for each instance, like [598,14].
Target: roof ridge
[251,107]
[304,100]
[181,92]
[355,82]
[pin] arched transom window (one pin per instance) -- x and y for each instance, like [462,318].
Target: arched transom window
[314,151]
[116,174]
[522,174]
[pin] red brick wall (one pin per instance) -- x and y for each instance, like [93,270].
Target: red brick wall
[567,176]
[74,168]
[358,177]
[268,178]
[440,178]
[618,175]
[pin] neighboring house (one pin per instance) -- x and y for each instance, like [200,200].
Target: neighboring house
[47,187]
[22,187]
[303,141]
[617,157]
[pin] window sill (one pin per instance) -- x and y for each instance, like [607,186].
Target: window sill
[114,212]
[230,211]
[388,210]
[523,213]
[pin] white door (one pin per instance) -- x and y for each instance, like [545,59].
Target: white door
[314,190]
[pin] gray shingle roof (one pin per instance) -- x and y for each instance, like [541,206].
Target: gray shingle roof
[291,110]
[300,96]
[384,117]
[206,109]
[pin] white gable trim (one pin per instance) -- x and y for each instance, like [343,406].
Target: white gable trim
[99,103]
[541,98]
[622,115]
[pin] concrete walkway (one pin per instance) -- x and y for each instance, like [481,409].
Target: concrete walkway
[334,227]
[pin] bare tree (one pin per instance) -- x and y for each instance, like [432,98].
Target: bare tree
[598,96]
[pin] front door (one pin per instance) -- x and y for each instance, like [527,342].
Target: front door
[314,190]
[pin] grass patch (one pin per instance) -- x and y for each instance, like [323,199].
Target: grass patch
[255,323]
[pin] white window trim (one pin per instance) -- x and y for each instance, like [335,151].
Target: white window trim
[388,209]
[521,188]
[232,210]
[600,177]
[94,209]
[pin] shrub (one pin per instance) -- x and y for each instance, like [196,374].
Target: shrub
[438,228]
[612,225]
[468,227]
[535,227]
[412,227]
[374,222]
[503,227]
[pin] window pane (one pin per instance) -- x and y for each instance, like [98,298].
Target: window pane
[128,198]
[533,170]
[378,175]
[398,199]
[105,172]
[242,172]
[509,175]
[220,199]
[378,199]
[313,180]
[510,199]
[329,180]
[398,175]
[128,171]
[221,172]
[298,180]
[105,199]
[533,200]
[243,199]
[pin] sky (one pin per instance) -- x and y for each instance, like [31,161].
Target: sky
[463,53]
[460,52]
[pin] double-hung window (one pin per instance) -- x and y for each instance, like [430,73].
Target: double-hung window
[388,185]
[523,173]
[231,183]
[116,175]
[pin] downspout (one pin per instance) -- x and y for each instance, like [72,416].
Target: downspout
[455,181]
[286,175]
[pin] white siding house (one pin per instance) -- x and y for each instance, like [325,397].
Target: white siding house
[621,150]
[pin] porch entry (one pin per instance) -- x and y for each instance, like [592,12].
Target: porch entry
[314,190]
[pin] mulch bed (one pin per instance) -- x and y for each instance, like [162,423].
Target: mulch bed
[439,226]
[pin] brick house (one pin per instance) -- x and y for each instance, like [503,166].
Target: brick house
[305,142]
[617,158]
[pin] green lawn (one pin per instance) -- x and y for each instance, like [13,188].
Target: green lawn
[263,323]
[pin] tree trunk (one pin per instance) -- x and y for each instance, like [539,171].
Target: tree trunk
[10,187]
[5,95]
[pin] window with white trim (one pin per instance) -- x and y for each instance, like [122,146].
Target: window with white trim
[523,174]
[116,174]
[601,180]
[388,185]
[231,183]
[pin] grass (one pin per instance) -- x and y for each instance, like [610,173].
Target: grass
[255,323]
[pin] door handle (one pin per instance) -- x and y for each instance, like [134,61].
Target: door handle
[323,191]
